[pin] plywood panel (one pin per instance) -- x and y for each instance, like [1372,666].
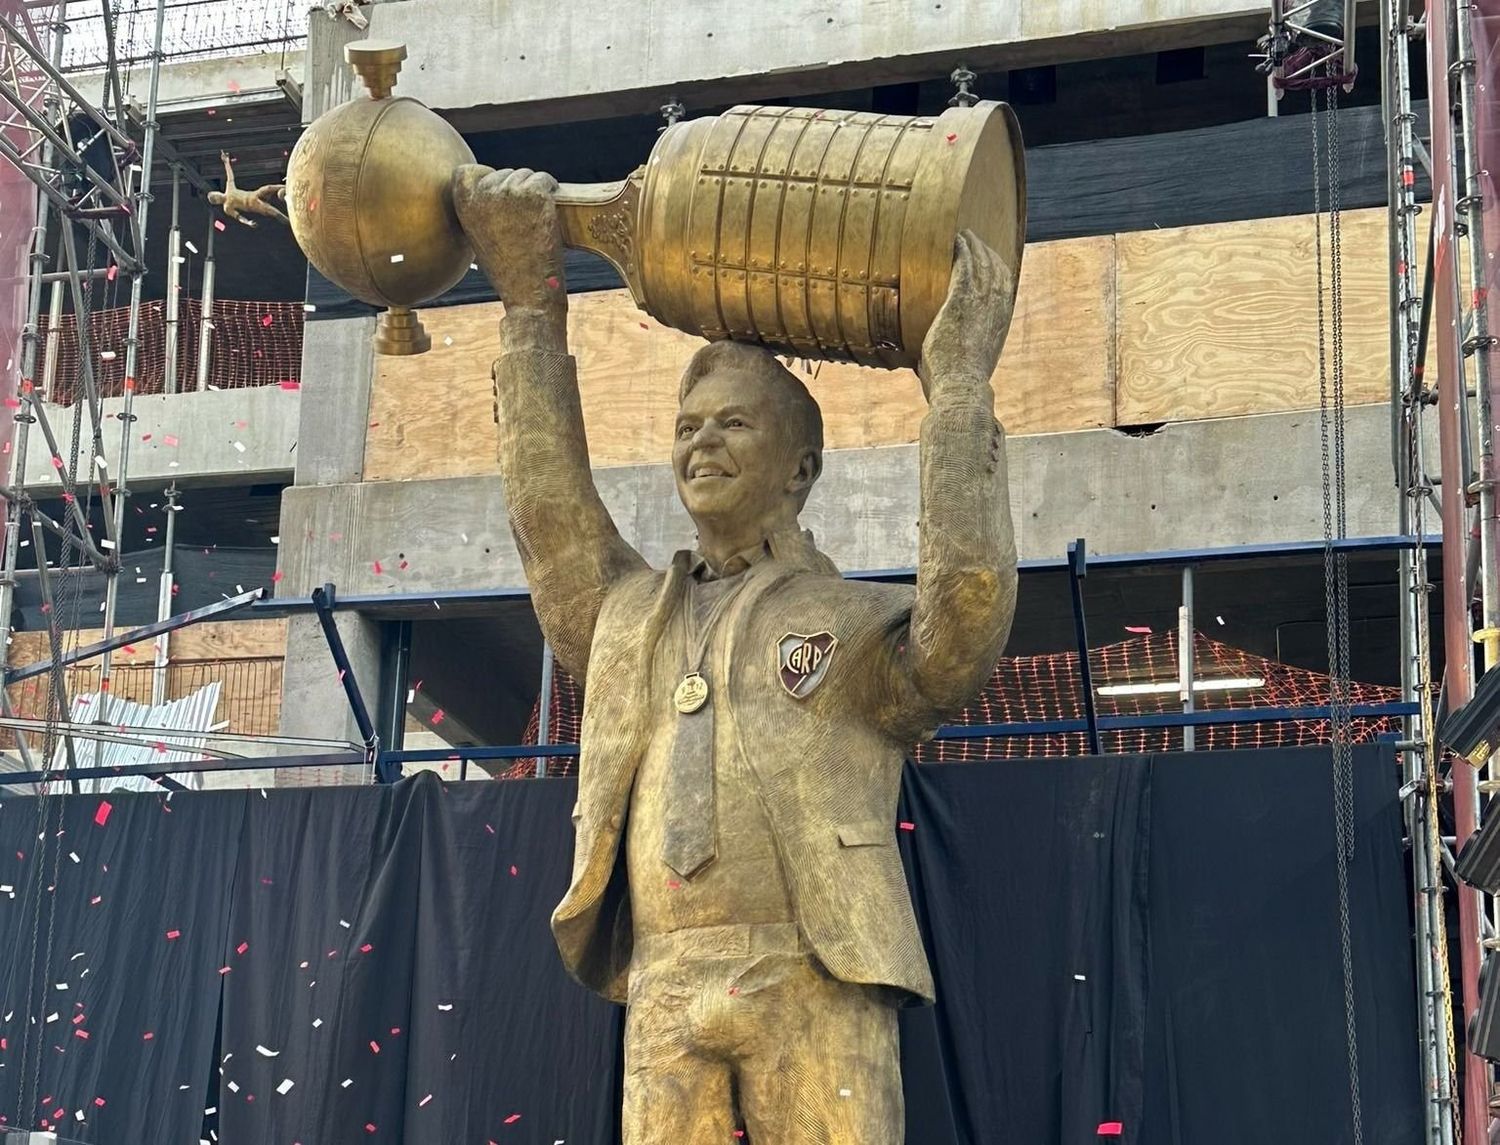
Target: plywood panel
[1221,320]
[432,415]
[244,656]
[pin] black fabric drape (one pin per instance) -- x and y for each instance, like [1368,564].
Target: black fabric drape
[1144,940]
[114,910]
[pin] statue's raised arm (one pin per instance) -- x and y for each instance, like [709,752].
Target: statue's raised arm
[570,549]
[966,560]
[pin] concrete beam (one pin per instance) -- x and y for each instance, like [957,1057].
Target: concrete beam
[228,436]
[188,85]
[489,65]
[1233,481]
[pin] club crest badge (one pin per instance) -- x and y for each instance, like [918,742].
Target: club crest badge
[802,661]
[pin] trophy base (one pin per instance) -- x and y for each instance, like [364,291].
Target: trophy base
[399,333]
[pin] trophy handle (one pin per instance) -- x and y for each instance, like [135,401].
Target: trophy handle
[601,217]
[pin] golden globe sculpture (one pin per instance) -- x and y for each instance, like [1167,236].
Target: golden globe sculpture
[367,194]
[816,233]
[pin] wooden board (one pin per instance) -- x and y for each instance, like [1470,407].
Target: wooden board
[244,656]
[1221,320]
[433,415]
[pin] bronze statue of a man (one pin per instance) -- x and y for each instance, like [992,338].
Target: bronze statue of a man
[736,880]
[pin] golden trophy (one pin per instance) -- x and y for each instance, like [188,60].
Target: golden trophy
[818,234]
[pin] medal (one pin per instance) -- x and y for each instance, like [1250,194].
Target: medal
[691,693]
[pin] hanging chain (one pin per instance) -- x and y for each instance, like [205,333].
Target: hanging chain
[1326,165]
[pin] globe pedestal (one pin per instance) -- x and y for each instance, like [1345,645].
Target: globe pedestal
[398,331]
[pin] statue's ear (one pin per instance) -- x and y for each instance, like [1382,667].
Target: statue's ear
[809,469]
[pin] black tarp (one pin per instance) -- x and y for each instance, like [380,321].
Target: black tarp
[1148,940]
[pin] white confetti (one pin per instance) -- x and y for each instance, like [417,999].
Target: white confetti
[398,258]
[344,924]
[52,1017]
[74,856]
[239,446]
[317,1022]
[424,1101]
[845,1092]
[234,1086]
[346,1083]
[106,355]
[106,543]
[189,244]
[267,1053]
[445,1006]
[285,1087]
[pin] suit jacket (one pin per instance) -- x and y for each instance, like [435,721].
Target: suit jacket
[829,763]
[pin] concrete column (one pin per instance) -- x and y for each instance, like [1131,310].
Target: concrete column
[338,366]
[312,697]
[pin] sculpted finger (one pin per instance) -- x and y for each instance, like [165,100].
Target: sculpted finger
[540,183]
[514,179]
[465,185]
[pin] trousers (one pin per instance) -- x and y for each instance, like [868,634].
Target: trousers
[740,1030]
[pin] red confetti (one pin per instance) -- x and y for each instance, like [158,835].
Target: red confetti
[488,828]
[13,403]
[289,384]
[513,870]
[96,900]
[375,1047]
[56,462]
[223,970]
[242,947]
[905,826]
[1138,629]
[234,87]
[84,1034]
[437,716]
[168,439]
[552,281]
[173,934]
[369,1127]
[101,815]
[266,319]
[366,948]
[148,1036]
[109,274]
[377,568]
[129,383]
[512,1119]
[99,1101]
[1110,1129]
[276,576]
[218,223]
[951,137]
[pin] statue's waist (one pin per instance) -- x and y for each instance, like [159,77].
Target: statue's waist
[734,940]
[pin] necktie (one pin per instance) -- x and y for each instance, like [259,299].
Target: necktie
[689,839]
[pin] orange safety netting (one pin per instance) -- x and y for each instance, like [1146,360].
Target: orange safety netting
[1031,689]
[253,344]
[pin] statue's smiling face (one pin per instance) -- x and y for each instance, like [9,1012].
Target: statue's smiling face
[732,455]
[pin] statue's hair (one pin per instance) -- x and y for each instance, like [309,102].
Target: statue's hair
[798,408]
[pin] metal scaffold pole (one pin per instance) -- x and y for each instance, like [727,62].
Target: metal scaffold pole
[30,337]
[141,205]
[1420,790]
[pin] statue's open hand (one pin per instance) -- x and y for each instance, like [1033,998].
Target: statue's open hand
[510,218]
[964,343]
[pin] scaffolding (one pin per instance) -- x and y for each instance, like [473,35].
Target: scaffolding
[94,174]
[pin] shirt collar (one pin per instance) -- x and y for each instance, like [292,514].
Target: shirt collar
[792,545]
